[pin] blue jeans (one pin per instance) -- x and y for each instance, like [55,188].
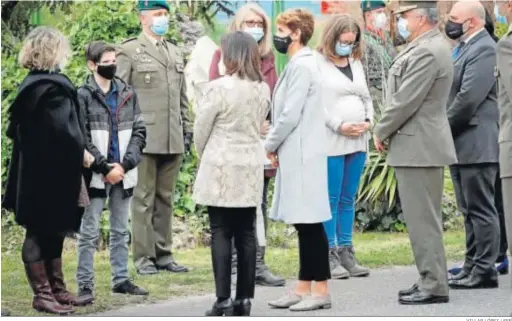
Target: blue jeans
[89,232]
[344,173]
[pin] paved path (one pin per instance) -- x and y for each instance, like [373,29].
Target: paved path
[372,296]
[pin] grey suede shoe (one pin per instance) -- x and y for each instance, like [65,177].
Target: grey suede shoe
[349,262]
[337,271]
[312,302]
[286,301]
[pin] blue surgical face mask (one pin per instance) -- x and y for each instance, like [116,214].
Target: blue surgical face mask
[160,25]
[256,32]
[402,28]
[499,18]
[343,49]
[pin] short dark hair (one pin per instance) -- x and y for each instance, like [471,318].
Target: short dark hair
[241,56]
[95,50]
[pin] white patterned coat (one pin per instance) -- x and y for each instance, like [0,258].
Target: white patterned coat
[227,127]
[299,136]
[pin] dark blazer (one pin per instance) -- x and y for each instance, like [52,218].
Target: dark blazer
[46,164]
[472,105]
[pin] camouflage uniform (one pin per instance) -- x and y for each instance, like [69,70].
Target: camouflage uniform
[377,58]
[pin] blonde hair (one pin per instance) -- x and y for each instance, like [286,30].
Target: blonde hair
[265,45]
[44,48]
[336,26]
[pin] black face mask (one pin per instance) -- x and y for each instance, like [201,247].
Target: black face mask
[282,44]
[454,30]
[107,71]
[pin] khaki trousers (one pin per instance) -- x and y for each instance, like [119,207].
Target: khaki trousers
[421,192]
[506,184]
[152,209]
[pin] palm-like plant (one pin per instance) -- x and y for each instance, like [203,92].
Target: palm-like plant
[378,182]
[378,205]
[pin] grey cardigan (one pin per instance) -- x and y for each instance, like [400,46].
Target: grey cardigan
[344,100]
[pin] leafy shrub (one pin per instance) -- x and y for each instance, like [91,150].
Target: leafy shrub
[111,21]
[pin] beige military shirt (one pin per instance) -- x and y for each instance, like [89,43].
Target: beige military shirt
[157,75]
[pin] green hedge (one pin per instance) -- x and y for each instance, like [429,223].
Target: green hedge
[112,21]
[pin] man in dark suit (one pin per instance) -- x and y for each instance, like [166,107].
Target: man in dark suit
[473,116]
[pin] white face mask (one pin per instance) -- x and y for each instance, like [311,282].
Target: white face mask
[380,20]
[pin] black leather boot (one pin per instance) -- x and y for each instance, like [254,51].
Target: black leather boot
[221,308]
[263,275]
[242,307]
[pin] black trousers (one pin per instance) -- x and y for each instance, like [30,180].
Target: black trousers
[260,260]
[240,224]
[475,193]
[313,252]
[39,246]
[498,201]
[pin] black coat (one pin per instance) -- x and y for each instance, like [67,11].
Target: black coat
[45,171]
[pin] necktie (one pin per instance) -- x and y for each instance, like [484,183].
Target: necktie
[162,51]
[457,50]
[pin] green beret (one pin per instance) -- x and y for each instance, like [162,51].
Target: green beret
[143,5]
[369,5]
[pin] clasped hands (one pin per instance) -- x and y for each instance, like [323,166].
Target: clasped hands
[115,175]
[353,129]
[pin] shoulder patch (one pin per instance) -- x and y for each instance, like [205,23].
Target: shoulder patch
[172,42]
[128,40]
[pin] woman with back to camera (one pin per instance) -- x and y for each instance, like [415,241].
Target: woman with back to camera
[296,145]
[227,138]
[45,187]
[251,18]
[349,113]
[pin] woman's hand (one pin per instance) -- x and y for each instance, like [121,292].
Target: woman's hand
[88,159]
[273,159]
[265,128]
[354,129]
[364,127]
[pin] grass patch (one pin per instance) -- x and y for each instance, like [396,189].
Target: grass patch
[373,249]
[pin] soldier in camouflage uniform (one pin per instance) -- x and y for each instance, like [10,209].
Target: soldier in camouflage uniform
[379,50]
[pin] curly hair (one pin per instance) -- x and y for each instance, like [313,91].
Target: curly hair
[44,48]
[300,19]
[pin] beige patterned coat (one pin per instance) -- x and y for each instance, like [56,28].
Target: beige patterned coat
[227,138]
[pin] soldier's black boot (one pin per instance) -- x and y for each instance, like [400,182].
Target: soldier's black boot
[263,275]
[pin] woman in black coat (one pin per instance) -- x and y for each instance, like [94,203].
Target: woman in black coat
[45,187]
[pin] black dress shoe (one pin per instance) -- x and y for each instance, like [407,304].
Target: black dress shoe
[459,276]
[221,308]
[147,270]
[127,287]
[476,281]
[413,289]
[420,297]
[173,267]
[242,307]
